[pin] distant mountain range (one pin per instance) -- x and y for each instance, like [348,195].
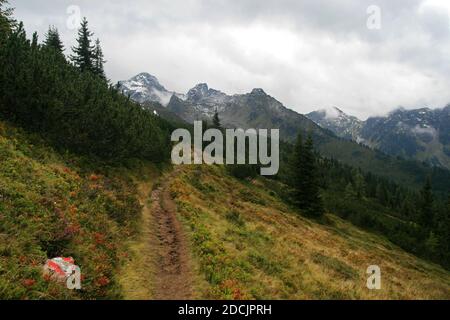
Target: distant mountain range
[252,110]
[334,136]
[421,134]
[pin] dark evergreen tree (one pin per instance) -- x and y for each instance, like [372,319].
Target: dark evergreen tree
[359,183]
[426,213]
[381,193]
[53,40]
[6,20]
[35,42]
[98,60]
[305,178]
[443,232]
[83,53]
[350,193]
[295,168]
[407,208]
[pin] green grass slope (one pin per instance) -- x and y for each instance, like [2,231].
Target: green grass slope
[53,205]
[250,245]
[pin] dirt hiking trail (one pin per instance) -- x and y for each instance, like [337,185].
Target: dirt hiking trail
[159,265]
[173,269]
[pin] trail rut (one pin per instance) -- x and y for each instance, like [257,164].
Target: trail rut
[173,270]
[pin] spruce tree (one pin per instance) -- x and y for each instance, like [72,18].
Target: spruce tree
[295,178]
[305,178]
[98,60]
[443,233]
[6,20]
[448,206]
[426,211]
[53,40]
[381,193]
[83,53]
[360,184]
[350,193]
[315,205]
[35,42]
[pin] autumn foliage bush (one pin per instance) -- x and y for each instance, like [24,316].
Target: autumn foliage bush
[53,206]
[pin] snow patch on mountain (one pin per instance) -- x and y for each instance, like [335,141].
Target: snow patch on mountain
[145,87]
[425,130]
[339,122]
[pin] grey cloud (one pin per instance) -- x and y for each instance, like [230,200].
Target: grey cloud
[307,53]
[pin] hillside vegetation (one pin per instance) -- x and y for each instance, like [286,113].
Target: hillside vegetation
[247,243]
[74,109]
[250,245]
[53,205]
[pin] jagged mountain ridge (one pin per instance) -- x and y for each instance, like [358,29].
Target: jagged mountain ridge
[259,110]
[144,87]
[255,109]
[334,119]
[422,134]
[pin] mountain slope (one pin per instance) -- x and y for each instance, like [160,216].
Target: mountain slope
[252,110]
[248,244]
[420,134]
[245,241]
[334,119]
[145,87]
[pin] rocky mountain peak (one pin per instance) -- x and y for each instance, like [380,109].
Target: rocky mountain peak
[145,87]
[338,121]
[258,91]
[148,80]
[201,93]
[198,92]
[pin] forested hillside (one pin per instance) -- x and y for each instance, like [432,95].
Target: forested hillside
[71,104]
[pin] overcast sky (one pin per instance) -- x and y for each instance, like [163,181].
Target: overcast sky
[309,54]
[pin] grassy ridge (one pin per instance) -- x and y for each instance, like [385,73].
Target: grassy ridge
[52,205]
[250,245]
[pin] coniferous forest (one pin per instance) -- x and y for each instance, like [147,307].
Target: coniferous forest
[70,101]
